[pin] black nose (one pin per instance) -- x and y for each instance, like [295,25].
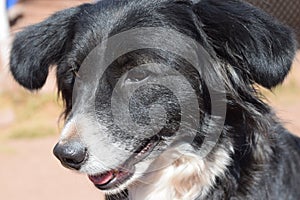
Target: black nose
[72,154]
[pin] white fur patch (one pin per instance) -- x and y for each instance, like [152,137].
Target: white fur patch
[187,178]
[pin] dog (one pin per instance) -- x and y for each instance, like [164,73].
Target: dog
[167,76]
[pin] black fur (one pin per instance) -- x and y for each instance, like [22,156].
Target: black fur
[258,48]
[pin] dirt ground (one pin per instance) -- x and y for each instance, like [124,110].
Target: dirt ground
[28,169]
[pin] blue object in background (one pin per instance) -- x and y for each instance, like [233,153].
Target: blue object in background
[10,3]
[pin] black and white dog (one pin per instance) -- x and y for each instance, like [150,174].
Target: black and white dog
[179,72]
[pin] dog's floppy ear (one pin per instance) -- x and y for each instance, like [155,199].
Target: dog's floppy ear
[39,46]
[247,38]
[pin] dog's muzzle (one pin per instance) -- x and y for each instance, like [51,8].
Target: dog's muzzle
[72,154]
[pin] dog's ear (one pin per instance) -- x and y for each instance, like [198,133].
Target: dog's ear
[39,46]
[250,40]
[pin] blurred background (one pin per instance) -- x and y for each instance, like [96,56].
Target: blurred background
[30,125]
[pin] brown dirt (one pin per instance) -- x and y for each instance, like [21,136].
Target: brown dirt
[29,171]
[28,168]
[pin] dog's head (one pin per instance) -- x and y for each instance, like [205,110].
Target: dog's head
[140,77]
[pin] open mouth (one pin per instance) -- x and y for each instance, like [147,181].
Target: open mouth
[116,177]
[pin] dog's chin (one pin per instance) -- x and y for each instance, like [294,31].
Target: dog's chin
[118,179]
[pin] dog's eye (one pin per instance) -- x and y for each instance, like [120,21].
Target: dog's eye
[137,75]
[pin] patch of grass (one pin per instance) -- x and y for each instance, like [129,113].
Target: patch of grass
[32,131]
[35,115]
[6,150]
[289,88]
[285,94]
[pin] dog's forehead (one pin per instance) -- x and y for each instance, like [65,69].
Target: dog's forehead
[107,18]
[106,15]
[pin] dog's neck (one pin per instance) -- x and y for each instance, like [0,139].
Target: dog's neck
[188,177]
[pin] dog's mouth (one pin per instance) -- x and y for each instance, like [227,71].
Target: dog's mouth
[116,177]
[111,179]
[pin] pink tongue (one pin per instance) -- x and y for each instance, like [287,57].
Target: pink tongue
[102,179]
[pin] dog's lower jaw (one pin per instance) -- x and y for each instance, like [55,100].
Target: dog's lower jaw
[187,178]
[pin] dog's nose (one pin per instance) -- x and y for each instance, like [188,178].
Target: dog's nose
[72,154]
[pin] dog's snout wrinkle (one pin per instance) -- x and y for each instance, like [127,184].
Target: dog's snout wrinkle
[72,154]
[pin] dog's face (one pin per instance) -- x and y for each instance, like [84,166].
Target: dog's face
[125,113]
